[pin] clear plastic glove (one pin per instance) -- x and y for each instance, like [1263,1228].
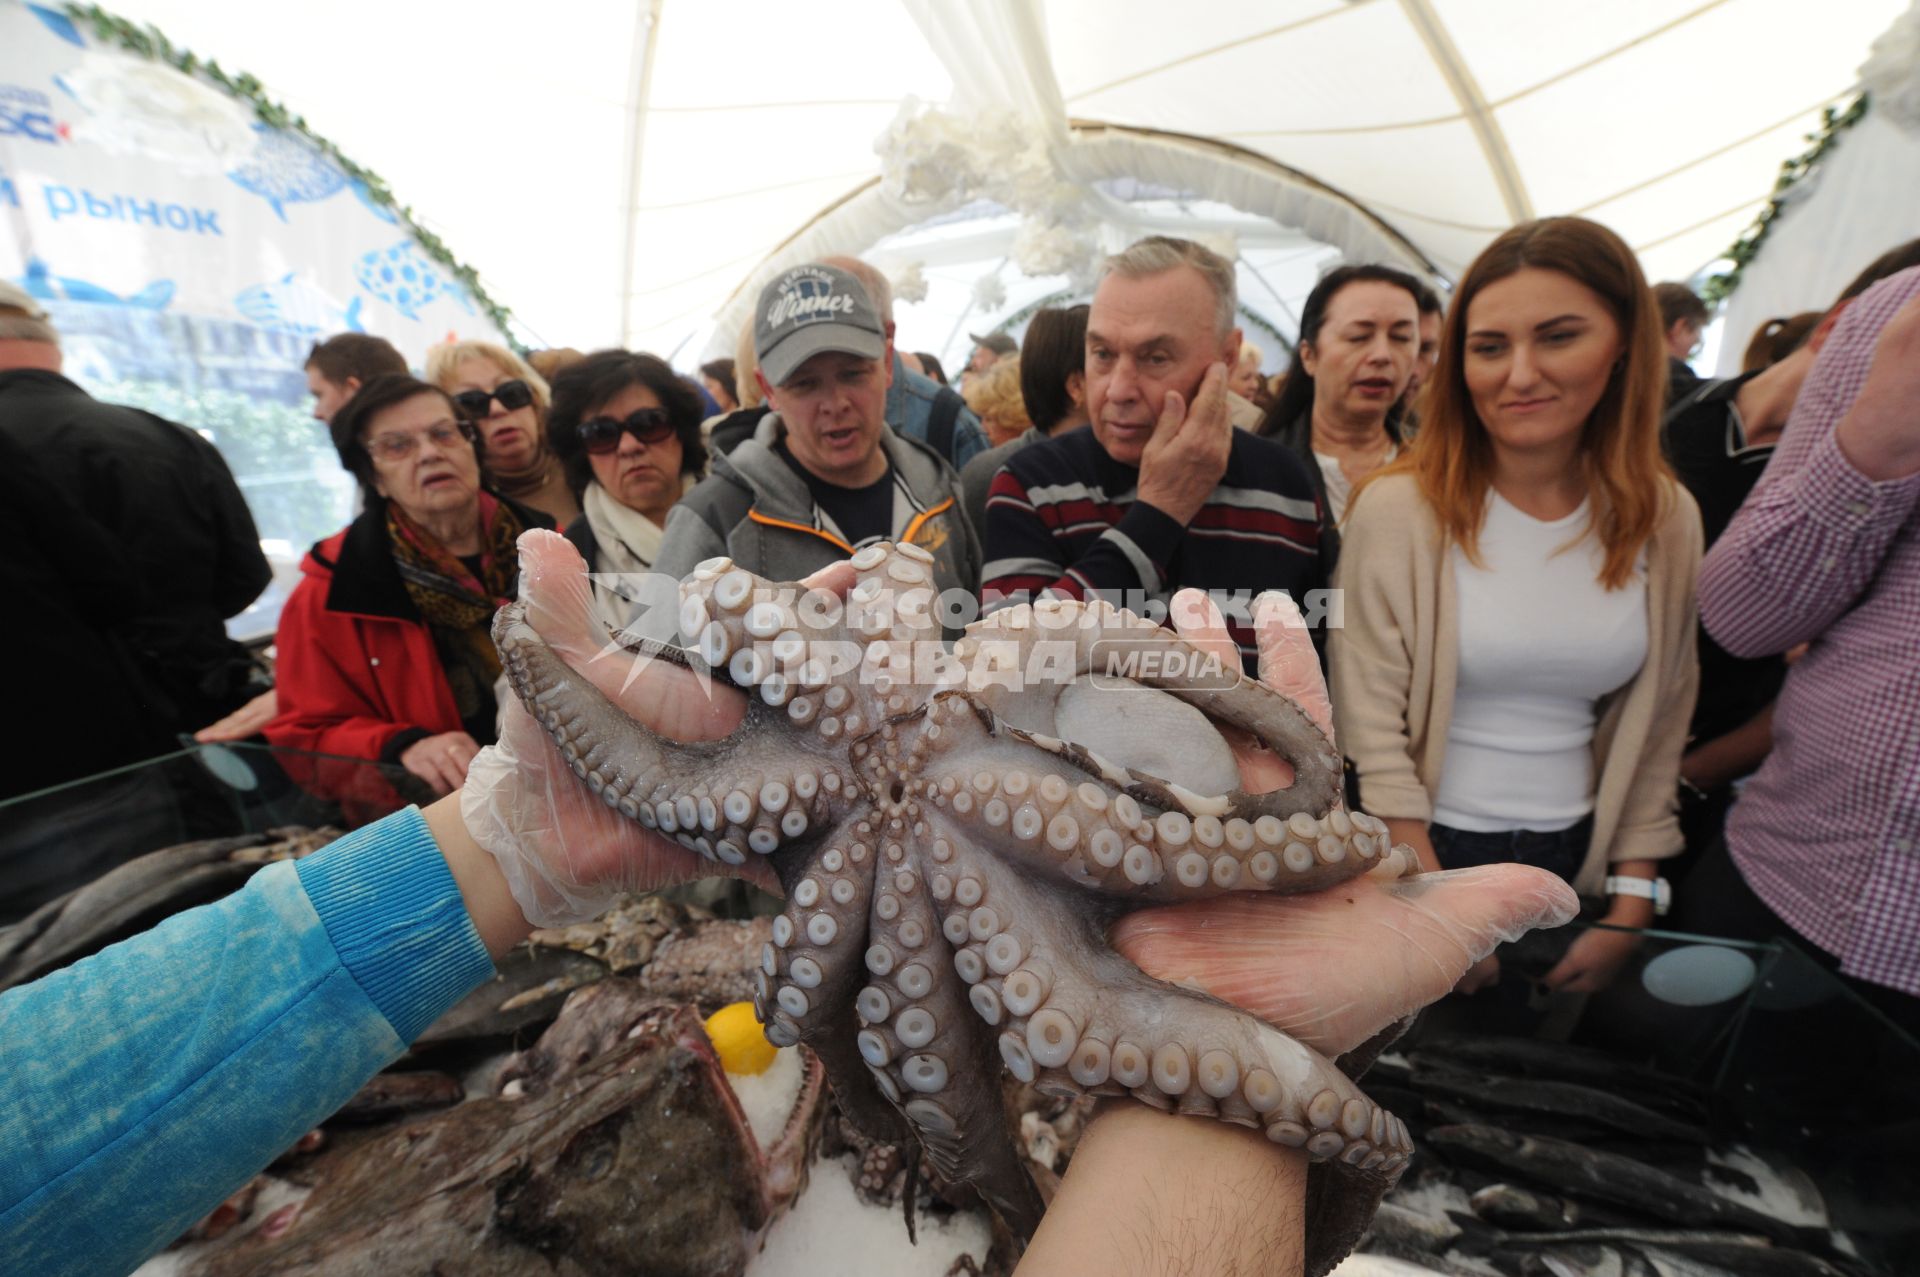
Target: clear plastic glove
[564,854]
[1333,968]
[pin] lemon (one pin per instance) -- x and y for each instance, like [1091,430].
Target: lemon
[738,1039]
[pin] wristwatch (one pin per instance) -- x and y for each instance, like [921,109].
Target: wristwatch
[1656,890]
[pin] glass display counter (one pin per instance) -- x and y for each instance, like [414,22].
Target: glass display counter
[55,840]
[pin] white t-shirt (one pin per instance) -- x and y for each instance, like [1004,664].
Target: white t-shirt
[1339,491]
[1541,641]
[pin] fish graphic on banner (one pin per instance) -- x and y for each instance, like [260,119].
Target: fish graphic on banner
[297,306]
[406,279]
[40,281]
[285,169]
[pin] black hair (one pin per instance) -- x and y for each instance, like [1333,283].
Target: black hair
[1054,348]
[721,370]
[930,364]
[582,387]
[1296,393]
[351,422]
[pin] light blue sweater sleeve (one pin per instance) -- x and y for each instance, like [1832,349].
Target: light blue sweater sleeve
[141,1086]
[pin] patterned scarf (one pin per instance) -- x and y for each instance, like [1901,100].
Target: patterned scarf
[457,606]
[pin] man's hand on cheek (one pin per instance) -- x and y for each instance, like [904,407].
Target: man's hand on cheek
[1183,462]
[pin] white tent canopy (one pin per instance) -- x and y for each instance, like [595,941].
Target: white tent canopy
[620,172]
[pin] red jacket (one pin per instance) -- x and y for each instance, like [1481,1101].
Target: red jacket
[357,665]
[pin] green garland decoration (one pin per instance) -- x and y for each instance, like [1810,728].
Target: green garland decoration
[148,42]
[1834,121]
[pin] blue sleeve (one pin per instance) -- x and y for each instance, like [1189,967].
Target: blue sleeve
[141,1086]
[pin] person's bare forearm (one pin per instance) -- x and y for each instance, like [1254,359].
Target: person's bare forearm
[1414,834]
[482,886]
[1149,1193]
[1731,755]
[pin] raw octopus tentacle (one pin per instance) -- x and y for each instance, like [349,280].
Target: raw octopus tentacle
[917,1037]
[1071,1015]
[1003,823]
[813,968]
[1061,818]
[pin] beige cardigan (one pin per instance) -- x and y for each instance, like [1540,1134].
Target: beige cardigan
[1394,661]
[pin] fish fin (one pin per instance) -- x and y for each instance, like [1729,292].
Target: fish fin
[154,296]
[1477,1237]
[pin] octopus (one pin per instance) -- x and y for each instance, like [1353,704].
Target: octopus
[957,826]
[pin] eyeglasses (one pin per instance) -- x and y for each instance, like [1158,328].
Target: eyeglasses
[650,426]
[479,403]
[398,447]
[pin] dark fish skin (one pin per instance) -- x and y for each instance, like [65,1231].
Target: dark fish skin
[122,902]
[1556,1099]
[390,1095]
[1745,1254]
[1511,1206]
[1604,1177]
[1538,1058]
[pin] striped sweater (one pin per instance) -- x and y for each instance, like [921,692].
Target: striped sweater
[1063,518]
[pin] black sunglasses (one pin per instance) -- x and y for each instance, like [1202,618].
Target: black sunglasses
[601,435]
[511,394]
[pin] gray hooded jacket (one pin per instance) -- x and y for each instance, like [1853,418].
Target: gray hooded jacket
[754,509]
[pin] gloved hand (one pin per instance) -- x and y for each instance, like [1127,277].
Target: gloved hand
[564,854]
[1333,968]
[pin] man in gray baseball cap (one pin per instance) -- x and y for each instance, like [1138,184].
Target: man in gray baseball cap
[822,475]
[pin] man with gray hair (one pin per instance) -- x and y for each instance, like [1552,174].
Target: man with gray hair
[1162,494]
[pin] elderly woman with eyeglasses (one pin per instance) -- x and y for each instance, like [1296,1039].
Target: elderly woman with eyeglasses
[508,401]
[626,428]
[384,647]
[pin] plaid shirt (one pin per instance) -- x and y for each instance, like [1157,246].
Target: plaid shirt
[1828,831]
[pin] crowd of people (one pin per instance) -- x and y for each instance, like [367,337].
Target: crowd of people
[1578,608]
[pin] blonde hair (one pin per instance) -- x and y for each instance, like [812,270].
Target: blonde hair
[444,358]
[1451,458]
[746,367]
[995,398]
[1250,355]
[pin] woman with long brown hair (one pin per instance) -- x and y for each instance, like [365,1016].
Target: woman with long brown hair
[1516,669]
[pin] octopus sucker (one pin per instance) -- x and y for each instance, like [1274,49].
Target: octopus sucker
[954,842]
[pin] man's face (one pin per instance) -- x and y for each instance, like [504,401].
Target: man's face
[1145,337]
[1424,357]
[1683,339]
[329,396]
[834,406]
[984,357]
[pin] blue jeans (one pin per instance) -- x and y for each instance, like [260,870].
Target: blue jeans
[1561,851]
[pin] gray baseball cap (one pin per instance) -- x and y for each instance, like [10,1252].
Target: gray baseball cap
[810,309]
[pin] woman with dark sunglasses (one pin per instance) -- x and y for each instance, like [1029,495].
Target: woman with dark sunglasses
[502,395]
[627,430]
